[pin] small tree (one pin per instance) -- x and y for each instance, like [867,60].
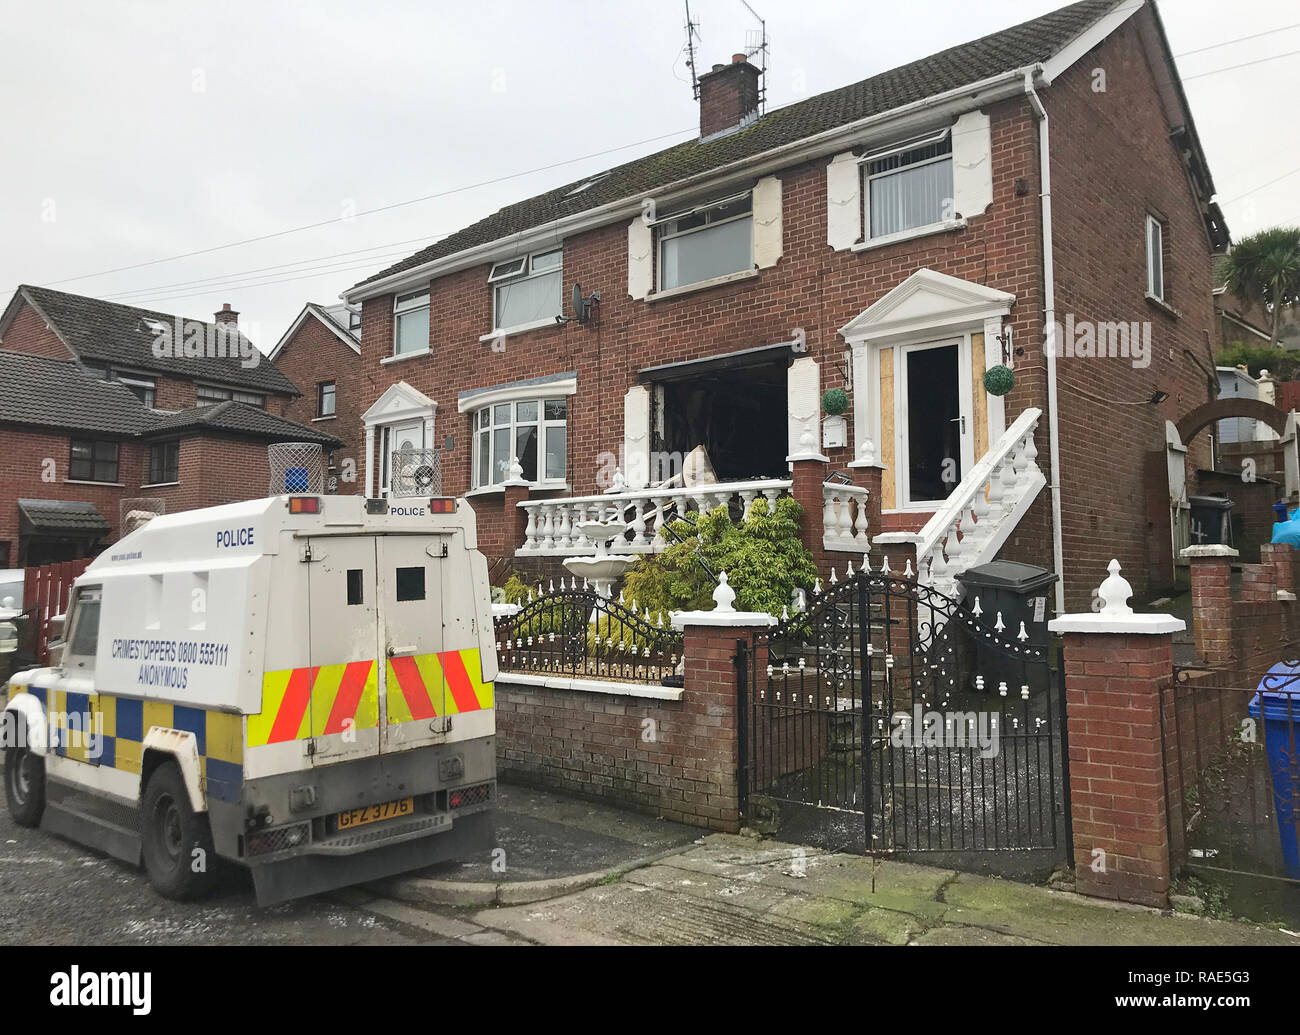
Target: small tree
[1283,365]
[1265,267]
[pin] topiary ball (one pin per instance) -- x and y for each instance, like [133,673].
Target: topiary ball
[999,380]
[835,401]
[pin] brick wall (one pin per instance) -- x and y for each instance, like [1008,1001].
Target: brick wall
[29,333]
[313,355]
[1112,164]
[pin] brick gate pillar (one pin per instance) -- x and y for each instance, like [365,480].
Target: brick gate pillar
[710,644]
[806,487]
[1117,667]
[1211,575]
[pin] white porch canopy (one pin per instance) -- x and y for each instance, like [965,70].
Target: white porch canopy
[400,404]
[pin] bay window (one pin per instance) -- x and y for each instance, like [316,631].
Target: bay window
[706,242]
[534,430]
[908,185]
[527,290]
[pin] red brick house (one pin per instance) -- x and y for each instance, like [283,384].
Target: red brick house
[320,354]
[94,410]
[1036,199]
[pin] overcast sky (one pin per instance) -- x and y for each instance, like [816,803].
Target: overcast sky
[138,131]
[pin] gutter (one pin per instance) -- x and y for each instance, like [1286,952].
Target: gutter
[983,91]
[1049,332]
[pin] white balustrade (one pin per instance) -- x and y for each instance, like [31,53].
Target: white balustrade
[973,523]
[844,518]
[553,524]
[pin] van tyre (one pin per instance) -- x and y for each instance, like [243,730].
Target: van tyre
[25,786]
[177,841]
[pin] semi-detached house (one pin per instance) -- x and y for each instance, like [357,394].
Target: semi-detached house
[896,238]
[93,413]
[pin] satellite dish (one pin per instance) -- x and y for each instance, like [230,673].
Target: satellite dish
[579,306]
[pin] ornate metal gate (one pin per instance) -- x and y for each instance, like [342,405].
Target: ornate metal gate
[892,718]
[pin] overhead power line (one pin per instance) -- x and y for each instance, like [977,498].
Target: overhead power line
[371,211]
[1239,39]
[1244,64]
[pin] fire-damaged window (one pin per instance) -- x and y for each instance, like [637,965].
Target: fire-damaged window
[908,185]
[730,411]
[705,242]
[164,462]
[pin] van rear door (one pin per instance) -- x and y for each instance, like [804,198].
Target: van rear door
[344,677]
[411,619]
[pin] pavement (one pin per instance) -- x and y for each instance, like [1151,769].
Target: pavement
[570,872]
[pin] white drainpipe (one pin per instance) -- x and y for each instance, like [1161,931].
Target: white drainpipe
[1049,335]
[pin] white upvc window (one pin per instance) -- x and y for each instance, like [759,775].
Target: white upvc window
[1155,258]
[142,386]
[534,430]
[908,185]
[705,242]
[209,395]
[411,323]
[527,290]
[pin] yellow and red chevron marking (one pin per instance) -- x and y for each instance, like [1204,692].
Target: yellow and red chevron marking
[428,685]
[311,702]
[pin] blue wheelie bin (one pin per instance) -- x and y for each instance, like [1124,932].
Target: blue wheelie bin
[1277,702]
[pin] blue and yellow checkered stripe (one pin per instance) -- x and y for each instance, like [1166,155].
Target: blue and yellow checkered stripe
[114,733]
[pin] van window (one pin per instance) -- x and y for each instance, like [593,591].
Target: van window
[410,583]
[84,638]
[356,594]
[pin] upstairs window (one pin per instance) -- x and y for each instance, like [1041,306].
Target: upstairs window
[908,185]
[208,395]
[143,388]
[527,290]
[1155,259]
[325,399]
[534,430]
[411,323]
[706,242]
[93,460]
[164,463]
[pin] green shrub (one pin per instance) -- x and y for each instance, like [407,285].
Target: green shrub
[763,556]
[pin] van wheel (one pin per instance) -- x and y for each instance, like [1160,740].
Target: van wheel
[177,844]
[25,786]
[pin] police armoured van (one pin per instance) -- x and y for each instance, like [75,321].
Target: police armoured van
[300,684]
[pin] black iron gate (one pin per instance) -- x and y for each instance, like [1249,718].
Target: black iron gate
[891,718]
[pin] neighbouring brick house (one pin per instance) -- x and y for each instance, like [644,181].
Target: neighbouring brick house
[319,354]
[91,416]
[896,238]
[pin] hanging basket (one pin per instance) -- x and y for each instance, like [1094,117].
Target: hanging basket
[835,401]
[999,380]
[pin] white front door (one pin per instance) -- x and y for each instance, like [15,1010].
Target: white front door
[934,430]
[398,436]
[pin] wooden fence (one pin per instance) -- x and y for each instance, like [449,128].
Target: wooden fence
[45,594]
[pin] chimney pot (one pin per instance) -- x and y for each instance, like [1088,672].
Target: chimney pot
[226,315]
[738,59]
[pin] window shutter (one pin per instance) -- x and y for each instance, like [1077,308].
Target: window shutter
[640,258]
[636,437]
[767,222]
[972,165]
[843,201]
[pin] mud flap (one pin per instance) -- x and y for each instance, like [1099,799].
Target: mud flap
[305,875]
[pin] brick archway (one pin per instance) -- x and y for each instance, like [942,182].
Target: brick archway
[1220,409]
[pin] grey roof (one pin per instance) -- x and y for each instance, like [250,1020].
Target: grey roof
[58,393]
[1016,47]
[62,516]
[333,314]
[240,419]
[107,332]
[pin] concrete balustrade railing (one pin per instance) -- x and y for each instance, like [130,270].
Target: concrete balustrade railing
[844,518]
[553,525]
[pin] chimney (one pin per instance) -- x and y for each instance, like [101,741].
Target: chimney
[728,97]
[226,315]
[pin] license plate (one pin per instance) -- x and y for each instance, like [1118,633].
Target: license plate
[375,813]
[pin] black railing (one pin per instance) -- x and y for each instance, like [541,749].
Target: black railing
[579,633]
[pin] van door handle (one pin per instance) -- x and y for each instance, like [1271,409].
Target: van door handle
[401,652]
